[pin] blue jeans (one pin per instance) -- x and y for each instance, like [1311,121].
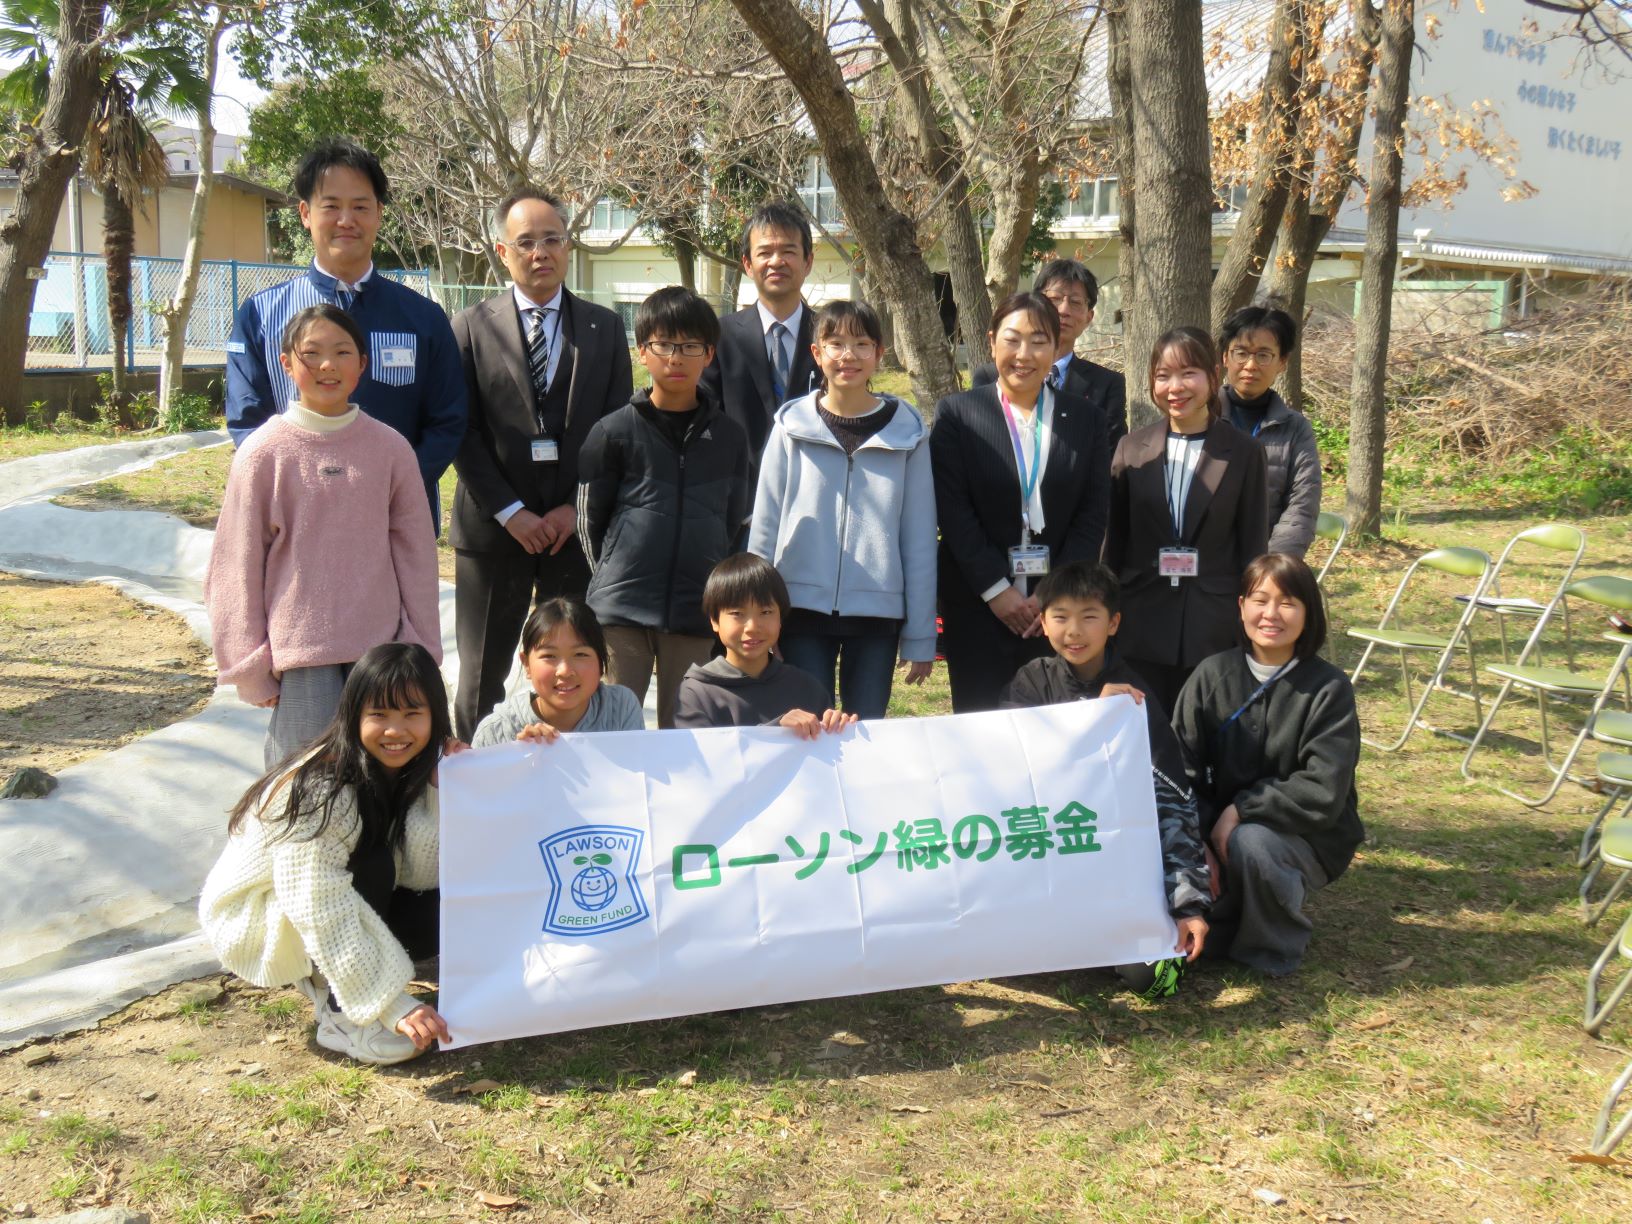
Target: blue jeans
[866,666]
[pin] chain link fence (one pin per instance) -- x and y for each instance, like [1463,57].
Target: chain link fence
[68,328]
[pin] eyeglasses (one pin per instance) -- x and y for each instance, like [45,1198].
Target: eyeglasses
[550,242]
[862,349]
[668,348]
[1260,357]
[1062,300]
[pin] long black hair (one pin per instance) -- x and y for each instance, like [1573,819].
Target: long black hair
[393,676]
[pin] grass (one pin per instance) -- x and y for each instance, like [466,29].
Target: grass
[188,486]
[63,434]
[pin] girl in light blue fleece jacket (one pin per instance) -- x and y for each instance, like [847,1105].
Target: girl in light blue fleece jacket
[845,510]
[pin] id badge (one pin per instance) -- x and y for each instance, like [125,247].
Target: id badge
[1176,563]
[546,450]
[1028,561]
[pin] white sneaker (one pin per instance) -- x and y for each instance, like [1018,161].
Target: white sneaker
[370,1043]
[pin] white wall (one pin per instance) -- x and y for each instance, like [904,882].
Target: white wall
[1572,122]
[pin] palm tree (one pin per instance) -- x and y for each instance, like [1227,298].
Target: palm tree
[119,150]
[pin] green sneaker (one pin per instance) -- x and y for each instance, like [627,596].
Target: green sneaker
[1155,980]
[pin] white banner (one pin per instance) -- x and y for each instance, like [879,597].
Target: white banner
[635,875]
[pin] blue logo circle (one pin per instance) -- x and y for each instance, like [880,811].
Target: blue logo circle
[593,888]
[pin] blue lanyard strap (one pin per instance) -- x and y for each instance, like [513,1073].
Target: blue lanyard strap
[1258,692]
[1028,480]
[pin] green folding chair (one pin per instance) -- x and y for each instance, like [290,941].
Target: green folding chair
[1601,1004]
[1560,684]
[1614,778]
[1333,527]
[1607,1136]
[1614,850]
[1556,538]
[1468,563]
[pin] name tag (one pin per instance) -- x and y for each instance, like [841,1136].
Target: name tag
[1028,561]
[546,450]
[1176,563]
[396,358]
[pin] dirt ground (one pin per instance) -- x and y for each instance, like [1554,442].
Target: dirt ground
[83,670]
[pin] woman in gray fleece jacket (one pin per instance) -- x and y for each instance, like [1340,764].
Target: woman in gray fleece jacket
[845,511]
[563,653]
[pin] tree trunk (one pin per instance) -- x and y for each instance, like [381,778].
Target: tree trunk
[44,169]
[118,238]
[1141,412]
[179,311]
[895,24]
[1248,249]
[1172,243]
[1367,415]
[1014,205]
[888,240]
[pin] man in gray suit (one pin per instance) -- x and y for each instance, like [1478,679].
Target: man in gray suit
[541,367]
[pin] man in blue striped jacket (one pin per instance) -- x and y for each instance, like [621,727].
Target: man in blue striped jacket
[413,380]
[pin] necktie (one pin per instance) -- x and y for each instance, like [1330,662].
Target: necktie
[779,361]
[538,353]
[1054,380]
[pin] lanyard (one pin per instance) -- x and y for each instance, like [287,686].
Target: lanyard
[1258,692]
[1028,481]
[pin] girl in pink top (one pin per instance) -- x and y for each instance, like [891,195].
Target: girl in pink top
[324,546]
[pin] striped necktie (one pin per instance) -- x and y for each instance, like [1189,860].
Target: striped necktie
[538,353]
[1055,379]
[779,362]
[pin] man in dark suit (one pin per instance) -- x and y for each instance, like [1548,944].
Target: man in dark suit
[763,359]
[541,367]
[1074,291]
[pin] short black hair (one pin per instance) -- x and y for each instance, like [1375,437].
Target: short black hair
[327,154]
[1296,579]
[567,610]
[741,580]
[778,215]
[501,210]
[1072,272]
[843,317]
[1034,304]
[677,314]
[1261,318]
[1081,580]
[323,312]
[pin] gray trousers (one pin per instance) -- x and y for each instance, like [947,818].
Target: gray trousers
[1259,919]
[632,653]
[308,699]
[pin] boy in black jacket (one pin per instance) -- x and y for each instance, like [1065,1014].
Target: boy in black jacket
[663,490]
[745,601]
[1081,611]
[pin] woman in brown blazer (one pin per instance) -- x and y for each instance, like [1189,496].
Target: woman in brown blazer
[1189,512]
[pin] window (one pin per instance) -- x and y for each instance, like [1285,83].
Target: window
[610,217]
[626,312]
[1096,200]
[818,194]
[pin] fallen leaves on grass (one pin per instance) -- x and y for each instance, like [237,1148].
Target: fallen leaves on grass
[1603,1162]
[498,1202]
[1371,1023]
[478,1087]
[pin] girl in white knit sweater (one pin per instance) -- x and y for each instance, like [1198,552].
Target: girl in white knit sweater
[317,885]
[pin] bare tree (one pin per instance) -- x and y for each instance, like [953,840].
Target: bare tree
[1604,25]
[1172,241]
[1367,407]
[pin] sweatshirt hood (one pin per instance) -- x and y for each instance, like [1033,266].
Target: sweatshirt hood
[800,420]
[718,671]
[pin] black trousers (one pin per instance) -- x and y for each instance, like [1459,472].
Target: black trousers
[493,593]
[982,654]
[1163,680]
[415,918]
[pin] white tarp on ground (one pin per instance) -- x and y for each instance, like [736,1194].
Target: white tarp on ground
[631,876]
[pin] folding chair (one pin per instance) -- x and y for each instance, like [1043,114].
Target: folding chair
[1333,527]
[1614,850]
[1604,1139]
[1552,537]
[1614,778]
[1560,684]
[1599,1004]
[1469,563]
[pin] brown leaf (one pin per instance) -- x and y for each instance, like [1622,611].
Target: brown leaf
[909,1109]
[1592,1158]
[686,1079]
[1381,1020]
[593,1187]
[499,1202]
[477,1088]
[1400,966]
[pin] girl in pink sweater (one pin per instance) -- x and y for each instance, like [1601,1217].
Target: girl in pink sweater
[324,546]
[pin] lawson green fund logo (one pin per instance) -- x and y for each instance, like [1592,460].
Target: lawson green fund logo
[593,888]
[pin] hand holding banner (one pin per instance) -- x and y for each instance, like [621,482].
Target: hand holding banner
[628,876]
